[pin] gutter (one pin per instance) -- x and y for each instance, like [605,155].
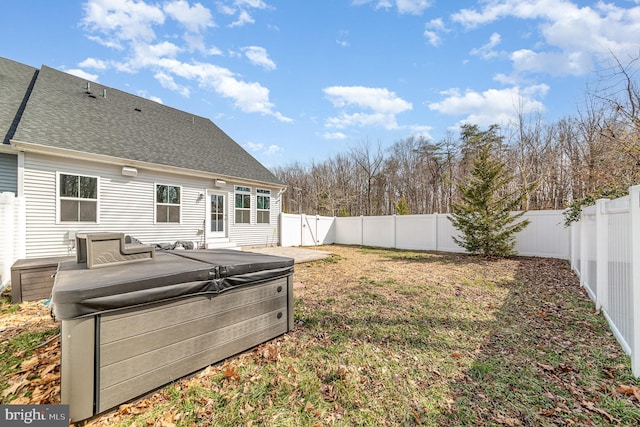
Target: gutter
[28,147]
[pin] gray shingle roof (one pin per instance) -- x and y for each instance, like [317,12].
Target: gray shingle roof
[15,79]
[61,113]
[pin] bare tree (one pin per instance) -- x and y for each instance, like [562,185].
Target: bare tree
[369,161]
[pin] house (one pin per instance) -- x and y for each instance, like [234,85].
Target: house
[86,158]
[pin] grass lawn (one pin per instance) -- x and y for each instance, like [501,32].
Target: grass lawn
[387,337]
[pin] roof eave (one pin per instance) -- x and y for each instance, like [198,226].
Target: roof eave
[18,146]
[8,149]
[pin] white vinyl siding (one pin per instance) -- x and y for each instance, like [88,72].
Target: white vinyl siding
[127,206]
[8,173]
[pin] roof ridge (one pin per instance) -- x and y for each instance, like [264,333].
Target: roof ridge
[23,104]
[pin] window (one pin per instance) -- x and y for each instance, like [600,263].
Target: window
[263,206]
[243,205]
[167,204]
[78,198]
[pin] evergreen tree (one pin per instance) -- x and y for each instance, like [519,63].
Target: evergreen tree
[483,215]
[402,207]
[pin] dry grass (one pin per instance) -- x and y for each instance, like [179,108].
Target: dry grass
[388,337]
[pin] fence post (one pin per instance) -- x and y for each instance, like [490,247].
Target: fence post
[435,229]
[602,254]
[7,234]
[634,212]
[395,231]
[584,246]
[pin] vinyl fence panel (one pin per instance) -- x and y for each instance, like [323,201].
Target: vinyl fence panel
[12,234]
[290,230]
[416,232]
[378,231]
[348,230]
[607,260]
[445,232]
[545,236]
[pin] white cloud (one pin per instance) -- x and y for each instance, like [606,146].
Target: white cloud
[251,146]
[243,18]
[112,44]
[241,8]
[432,30]
[334,135]
[342,41]
[82,74]
[344,120]
[254,4]
[581,35]
[377,99]
[273,149]
[413,7]
[129,25]
[94,63]
[433,38]
[486,51]
[493,105]
[421,131]
[259,56]
[122,19]
[145,94]
[555,63]
[260,148]
[166,81]
[195,18]
[250,97]
[384,104]
[436,24]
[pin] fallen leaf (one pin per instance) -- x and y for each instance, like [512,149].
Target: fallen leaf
[16,385]
[630,391]
[548,412]
[29,364]
[509,421]
[231,372]
[590,406]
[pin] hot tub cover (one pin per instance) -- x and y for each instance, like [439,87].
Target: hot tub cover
[78,291]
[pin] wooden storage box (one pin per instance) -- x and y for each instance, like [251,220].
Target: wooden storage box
[32,279]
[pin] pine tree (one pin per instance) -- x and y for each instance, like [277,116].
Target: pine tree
[484,214]
[402,207]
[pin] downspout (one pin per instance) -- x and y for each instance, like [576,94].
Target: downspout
[280,219]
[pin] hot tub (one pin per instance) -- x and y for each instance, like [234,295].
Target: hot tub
[129,329]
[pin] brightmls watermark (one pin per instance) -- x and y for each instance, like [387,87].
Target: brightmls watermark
[34,415]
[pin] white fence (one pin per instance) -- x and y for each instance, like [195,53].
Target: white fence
[306,230]
[545,236]
[603,248]
[12,234]
[606,255]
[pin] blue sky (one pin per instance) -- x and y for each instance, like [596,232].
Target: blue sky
[302,81]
